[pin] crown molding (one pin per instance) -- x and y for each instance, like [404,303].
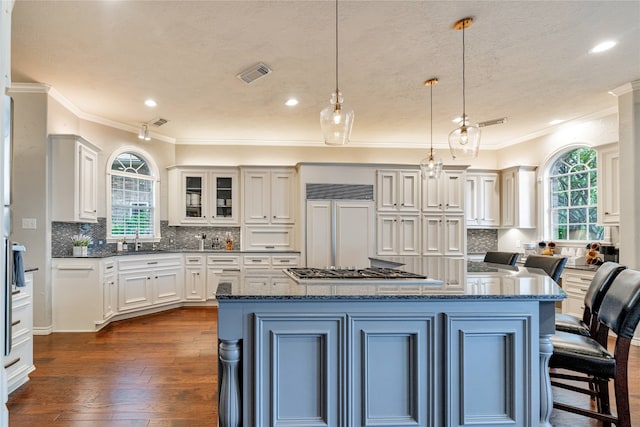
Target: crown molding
[626,88]
[66,103]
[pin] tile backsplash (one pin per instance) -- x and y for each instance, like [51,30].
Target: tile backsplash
[173,237]
[480,241]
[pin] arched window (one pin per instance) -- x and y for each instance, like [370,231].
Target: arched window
[573,192]
[133,197]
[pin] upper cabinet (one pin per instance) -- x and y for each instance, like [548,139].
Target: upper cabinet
[519,197]
[444,194]
[203,196]
[398,190]
[74,165]
[269,196]
[482,199]
[608,185]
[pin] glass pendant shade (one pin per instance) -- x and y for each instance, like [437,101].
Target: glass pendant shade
[336,121]
[431,166]
[464,142]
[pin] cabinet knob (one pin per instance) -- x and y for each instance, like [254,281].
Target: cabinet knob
[606,213]
[156,277]
[265,217]
[148,278]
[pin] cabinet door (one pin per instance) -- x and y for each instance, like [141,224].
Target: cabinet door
[392,382]
[409,191]
[454,272]
[454,235]
[409,233]
[283,197]
[256,197]
[87,183]
[319,233]
[432,267]
[194,197]
[387,235]
[488,207]
[300,375]
[508,199]
[134,290]
[432,194]
[387,188]
[194,283]
[224,200]
[609,187]
[432,235]
[109,295]
[355,233]
[471,201]
[167,285]
[454,184]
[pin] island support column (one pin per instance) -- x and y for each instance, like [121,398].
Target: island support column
[229,403]
[547,329]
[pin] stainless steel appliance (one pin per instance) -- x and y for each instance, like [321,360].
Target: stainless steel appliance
[347,273]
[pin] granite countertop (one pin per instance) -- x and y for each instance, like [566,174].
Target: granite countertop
[178,251]
[507,283]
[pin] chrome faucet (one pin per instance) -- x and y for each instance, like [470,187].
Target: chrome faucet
[136,242]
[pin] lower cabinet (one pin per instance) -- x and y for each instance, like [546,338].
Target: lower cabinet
[109,290]
[19,362]
[451,270]
[415,364]
[575,283]
[144,281]
[195,278]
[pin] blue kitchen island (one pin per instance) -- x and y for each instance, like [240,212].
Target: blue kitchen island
[317,353]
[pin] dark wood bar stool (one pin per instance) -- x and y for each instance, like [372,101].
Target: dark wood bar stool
[508,258]
[588,360]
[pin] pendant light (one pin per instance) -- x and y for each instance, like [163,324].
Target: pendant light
[144,133]
[431,165]
[336,120]
[465,140]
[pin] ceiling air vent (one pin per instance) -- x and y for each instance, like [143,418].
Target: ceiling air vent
[158,122]
[252,74]
[493,122]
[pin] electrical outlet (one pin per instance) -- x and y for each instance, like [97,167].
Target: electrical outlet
[29,223]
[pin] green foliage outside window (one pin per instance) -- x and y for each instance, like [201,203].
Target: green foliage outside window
[574,196]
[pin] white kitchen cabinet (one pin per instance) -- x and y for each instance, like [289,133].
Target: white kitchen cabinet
[18,363]
[77,294]
[145,281]
[518,197]
[398,234]
[269,196]
[575,283]
[74,179]
[398,190]
[109,289]
[444,194]
[221,268]
[203,196]
[194,278]
[443,235]
[608,185]
[482,200]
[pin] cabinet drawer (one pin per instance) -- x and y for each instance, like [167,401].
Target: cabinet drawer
[573,304]
[577,283]
[20,358]
[224,261]
[21,317]
[108,267]
[257,261]
[144,262]
[193,260]
[285,261]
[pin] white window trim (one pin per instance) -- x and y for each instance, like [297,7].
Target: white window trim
[154,176]
[544,194]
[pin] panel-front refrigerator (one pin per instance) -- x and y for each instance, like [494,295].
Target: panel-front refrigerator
[340,233]
[6,232]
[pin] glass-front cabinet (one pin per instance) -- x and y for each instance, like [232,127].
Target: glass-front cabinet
[203,196]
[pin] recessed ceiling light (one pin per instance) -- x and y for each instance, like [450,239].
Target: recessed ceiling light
[555,122]
[603,46]
[291,102]
[150,103]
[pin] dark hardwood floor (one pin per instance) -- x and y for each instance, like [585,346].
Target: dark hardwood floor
[158,371]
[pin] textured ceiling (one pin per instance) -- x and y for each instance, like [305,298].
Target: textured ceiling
[526,60]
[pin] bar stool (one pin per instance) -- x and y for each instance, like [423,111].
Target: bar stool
[599,286]
[552,265]
[588,360]
[508,258]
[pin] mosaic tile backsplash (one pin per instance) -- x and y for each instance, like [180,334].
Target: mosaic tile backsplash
[173,238]
[480,241]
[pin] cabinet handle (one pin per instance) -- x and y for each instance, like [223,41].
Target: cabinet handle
[10,364]
[16,322]
[285,260]
[152,262]
[14,293]
[270,247]
[109,267]
[255,260]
